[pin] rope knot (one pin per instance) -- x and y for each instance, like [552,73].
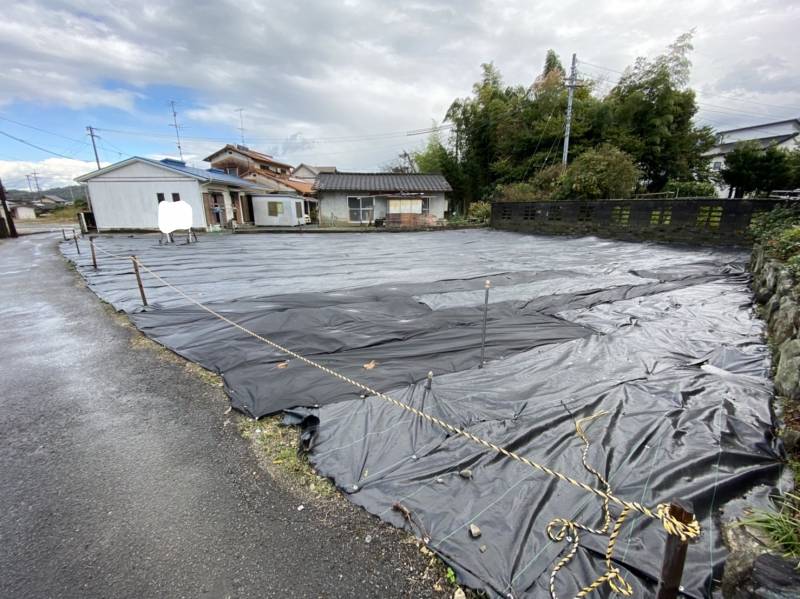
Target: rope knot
[618,584]
[683,530]
[557,529]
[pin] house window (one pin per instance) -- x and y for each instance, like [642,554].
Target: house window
[160,197]
[717,166]
[233,170]
[360,209]
[298,207]
[426,205]
[274,208]
[176,197]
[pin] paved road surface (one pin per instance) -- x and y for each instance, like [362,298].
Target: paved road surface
[118,478]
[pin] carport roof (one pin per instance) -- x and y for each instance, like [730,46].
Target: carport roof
[381,182]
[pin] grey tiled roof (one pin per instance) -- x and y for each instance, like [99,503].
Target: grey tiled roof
[381,182]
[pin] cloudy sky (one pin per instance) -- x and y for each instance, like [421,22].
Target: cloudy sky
[341,82]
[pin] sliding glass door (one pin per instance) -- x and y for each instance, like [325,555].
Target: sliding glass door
[361,209]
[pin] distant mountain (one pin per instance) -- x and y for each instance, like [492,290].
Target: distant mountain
[77,191]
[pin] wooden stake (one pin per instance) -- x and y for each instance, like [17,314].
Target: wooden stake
[75,238]
[63,233]
[487,285]
[94,254]
[674,554]
[139,279]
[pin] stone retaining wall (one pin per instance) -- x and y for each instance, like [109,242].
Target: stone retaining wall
[778,293]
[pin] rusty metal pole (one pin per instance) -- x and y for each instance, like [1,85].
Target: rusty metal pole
[674,554]
[487,286]
[75,238]
[94,254]
[139,279]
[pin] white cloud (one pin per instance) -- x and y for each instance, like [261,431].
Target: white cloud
[304,70]
[51,172]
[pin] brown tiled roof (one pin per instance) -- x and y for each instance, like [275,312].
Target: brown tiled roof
[381,182]
[258,156]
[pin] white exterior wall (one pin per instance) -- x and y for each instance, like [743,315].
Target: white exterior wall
[334,209]
[287,219]
[24,212]
[125,198]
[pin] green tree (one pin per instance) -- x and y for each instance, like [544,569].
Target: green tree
[650,114]
[749,168]
[603,173]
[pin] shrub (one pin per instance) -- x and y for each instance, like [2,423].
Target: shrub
[516,192]
[786,243]
[768,225]
[691,189]
[603,172]
[480,211]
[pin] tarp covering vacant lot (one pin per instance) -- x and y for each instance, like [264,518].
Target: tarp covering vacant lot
[662,340]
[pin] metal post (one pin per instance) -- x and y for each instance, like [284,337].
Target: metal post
[487,286]
[674,554]
[429,383]
[94,254]
[75,238]
[139,279]
[63,233]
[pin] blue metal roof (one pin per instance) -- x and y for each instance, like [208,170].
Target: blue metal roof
[212,174]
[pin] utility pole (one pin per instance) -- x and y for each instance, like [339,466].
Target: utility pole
[35,176]
[92,134]
[12,229]
[568,125]
[177,128]
[30,187]
[241,123]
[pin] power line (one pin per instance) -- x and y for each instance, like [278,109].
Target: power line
[339,139]
[706,93]
[40,148]
[81,141]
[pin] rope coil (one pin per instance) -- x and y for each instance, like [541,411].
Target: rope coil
[673,526]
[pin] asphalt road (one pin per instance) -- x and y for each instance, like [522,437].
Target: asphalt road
[118,477]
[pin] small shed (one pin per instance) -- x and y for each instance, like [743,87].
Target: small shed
[22,212]
[280,210]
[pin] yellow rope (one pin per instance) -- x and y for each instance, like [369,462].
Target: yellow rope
[569,529]
[672,525]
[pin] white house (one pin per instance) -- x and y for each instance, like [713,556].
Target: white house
[125,195]
[22,212]
[280,210]
[780,134]
[396,198]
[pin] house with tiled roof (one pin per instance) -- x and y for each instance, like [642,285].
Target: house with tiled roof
[400,199]
[238,160]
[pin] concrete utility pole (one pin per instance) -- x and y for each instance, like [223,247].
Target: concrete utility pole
[12,229]
[92,134]
[35,176]
[30,187]
[177,128]
[568,124]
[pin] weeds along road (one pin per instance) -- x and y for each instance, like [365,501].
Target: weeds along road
[119,478]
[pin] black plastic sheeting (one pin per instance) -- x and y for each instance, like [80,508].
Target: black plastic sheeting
[663,339]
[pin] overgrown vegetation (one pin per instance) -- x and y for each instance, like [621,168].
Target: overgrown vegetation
[506,141]
[65,213]
[779,232]
[781,526]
